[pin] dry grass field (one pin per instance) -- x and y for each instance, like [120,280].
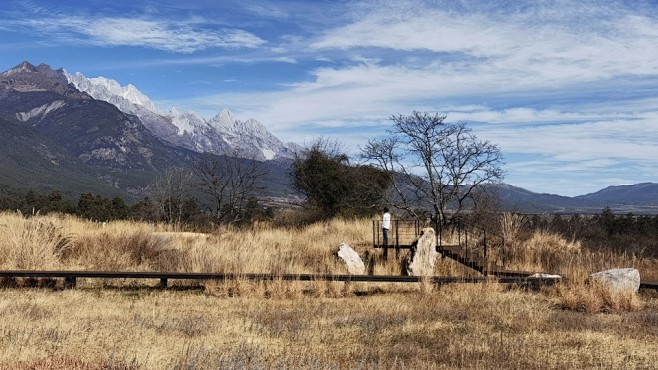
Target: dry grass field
[304,325]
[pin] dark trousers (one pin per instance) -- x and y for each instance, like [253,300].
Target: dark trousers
[385,233]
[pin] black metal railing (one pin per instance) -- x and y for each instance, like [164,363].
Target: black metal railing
[471,245]
[400,236]
[479,248]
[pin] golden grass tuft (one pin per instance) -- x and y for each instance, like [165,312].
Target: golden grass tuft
[596,297]
[123,250]
[31,243]
[546,251]
[511,225]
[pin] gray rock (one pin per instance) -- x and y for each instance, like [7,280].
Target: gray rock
[421,259]
[619,280]
[352,260]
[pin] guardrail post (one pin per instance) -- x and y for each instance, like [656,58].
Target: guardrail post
[163,283]
[69,282]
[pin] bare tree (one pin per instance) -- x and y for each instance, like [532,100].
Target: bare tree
[230,183]
[433,163]
[169,192]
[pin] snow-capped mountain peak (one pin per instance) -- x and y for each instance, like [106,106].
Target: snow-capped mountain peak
[226,122]
[135,96]
[186,122]
[223,134]
[224,119]
[250,137]
[111,91]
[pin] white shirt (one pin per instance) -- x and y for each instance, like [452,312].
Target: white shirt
[386,221]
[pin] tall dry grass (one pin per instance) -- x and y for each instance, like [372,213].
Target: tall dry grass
[31,243]
[293,325]
[67,242]
[544,251]
[595,297]
[511,225]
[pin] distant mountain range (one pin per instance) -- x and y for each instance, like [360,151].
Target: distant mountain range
[56,135]
[636,199]
[80,134]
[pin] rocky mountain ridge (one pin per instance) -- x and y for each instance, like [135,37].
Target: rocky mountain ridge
[222,135]
[64,131]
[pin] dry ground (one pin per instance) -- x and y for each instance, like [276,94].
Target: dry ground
[291,325]
[479,326]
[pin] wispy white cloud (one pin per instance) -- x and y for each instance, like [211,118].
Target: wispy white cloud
[179,37]
[267,10]
[424,29]
[584,136]
[518,45]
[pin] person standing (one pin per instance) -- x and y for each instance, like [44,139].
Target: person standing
[386,224]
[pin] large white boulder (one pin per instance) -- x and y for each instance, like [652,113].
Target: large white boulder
[619,280]
[353,262]
[421,259]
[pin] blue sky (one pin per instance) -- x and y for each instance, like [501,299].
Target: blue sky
[567,89]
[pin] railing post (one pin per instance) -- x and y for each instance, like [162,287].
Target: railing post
[466,240]
[163,283]
[375,241]
[486,256]
[397,239]
[438,228]
[459,240]
[384,246]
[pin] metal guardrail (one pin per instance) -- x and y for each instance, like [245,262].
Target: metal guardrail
[70,277]
[649,285]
